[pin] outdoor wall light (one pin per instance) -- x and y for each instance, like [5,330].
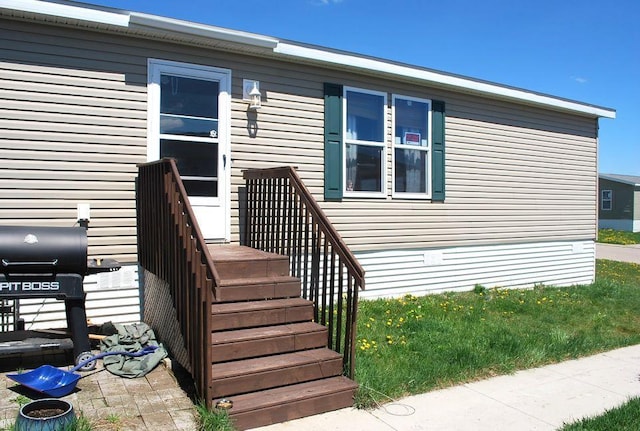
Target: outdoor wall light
[251,92]
[255,97]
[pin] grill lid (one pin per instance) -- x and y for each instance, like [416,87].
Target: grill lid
[43,250]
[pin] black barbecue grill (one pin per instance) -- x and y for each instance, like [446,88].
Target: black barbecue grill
[51,262]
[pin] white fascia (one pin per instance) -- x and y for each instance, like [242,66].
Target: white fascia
[207,31]
[375,65]
[66,10]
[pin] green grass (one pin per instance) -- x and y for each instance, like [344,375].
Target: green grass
[213,420]
[412,345]
[611,236]
[623,418]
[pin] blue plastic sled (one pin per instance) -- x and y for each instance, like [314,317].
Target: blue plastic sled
[55,382]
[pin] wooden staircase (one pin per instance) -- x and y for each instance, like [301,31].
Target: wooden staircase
[269,358]
[270,325]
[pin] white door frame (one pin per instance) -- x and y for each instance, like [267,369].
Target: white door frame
[154,68]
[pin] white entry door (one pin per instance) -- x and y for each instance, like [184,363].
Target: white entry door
[189,114]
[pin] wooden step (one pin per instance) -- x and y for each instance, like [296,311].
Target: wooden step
[267,340]
[291,402]
[249,289]
[238,315]
[236,261]
[249,375]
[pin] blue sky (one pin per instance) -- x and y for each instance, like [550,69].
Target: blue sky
[583,50]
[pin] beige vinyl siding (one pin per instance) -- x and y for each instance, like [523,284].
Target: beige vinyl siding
[69,133]
[514,174]
[74,125]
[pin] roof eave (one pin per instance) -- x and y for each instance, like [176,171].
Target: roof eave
[439,78]
[65,12]
[618,180]
[172,26]
[153,26]
[137,24]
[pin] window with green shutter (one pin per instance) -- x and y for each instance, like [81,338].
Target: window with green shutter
[357,152]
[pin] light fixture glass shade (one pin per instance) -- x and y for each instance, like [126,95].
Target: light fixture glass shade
[255,98]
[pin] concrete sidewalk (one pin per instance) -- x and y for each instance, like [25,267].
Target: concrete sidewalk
[538,399]
[623,253]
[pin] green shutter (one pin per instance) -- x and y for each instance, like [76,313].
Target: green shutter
[332,141]
[437,151]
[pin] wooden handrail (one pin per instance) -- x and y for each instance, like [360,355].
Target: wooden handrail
[171,246]
[283,217]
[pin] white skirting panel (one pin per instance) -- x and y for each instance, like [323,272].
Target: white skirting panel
[396,273]
[113,296]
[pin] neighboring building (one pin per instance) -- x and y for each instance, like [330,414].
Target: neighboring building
[436,181]
[619,202]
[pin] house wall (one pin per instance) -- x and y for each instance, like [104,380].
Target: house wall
[625,207]
[73,127]
[622,205]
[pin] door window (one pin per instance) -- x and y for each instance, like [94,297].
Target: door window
[189,131]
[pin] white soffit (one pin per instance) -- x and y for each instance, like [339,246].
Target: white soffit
[364,63]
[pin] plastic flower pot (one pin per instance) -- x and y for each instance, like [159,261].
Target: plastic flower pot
[47,414]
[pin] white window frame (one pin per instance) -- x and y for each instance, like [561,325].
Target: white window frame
[394,145]
[609,199]
[383,145]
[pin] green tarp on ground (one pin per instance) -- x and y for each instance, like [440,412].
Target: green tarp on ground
[131,338]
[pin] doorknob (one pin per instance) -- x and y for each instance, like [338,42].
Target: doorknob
[224,160]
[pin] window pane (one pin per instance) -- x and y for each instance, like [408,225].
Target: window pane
[188,96]
[201,188]
[410,171]
[606,200]
[176,125]
[411,122]
[365,117]
[364,168]
[194,159]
